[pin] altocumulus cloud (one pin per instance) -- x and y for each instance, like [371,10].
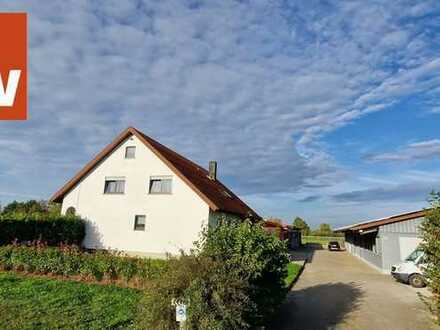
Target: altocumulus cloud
[252,84]
[408,192]
[413,151]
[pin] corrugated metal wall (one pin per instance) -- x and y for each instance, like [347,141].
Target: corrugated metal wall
[404,227]
[396,234]
[387,249]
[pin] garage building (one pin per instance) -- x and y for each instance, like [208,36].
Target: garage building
[384,242]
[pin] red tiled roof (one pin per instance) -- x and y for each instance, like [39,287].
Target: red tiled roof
[213,192]
[384,221]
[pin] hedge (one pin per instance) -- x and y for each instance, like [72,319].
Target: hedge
[52,230]
[430,231]
[71,261]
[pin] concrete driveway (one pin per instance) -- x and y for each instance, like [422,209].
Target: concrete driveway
[339,291]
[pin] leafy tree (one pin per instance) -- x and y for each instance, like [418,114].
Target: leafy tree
[302,225]
[431,245]
[324,229]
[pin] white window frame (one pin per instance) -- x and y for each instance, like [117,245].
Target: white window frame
[160,178]
[116,179]
[136,217]
[130,148]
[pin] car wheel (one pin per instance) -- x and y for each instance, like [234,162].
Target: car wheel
[417,281]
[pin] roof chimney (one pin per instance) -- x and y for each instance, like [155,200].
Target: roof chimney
[213,170]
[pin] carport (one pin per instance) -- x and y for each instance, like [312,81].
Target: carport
[384,242]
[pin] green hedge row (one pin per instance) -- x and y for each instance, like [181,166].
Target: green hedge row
[72,261]
[52,230]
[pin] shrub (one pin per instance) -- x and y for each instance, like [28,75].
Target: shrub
[431,246]
[234,279]
[216,299]
[72,261]
[259,257]
[50,229]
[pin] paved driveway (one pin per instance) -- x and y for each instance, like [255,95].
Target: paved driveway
[338,291]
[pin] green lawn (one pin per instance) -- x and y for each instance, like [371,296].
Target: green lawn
[38,303]
[293,270]
[323,240]
[28,302]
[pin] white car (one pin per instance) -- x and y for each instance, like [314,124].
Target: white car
[411,270]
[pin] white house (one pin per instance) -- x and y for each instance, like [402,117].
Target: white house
[141,197]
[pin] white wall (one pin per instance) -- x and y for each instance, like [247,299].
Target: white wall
[173,221]
[408,245]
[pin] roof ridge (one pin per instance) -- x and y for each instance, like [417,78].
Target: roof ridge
[170,150]
[384,220]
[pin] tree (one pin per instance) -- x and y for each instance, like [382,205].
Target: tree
[324,229]
[430,230]
[302,225]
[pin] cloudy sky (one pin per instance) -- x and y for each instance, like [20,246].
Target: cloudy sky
[325,109]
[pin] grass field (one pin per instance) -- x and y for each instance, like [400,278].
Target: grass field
[293,271]
[323,240]
[29,302]
[38,303]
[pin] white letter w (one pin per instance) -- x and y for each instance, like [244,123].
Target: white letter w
[7,95]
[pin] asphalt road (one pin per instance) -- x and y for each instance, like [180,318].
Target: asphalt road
[338,291]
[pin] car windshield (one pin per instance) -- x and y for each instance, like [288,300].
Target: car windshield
[414,255]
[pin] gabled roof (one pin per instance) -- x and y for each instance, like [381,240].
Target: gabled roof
[383,221]
[213,192]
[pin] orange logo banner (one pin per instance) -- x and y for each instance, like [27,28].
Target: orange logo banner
[13,66]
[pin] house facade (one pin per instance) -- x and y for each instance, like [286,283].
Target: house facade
[141,197]
[384,242]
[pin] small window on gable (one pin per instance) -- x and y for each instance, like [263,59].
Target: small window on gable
[130,152]
[139,222]
[160,185]
[114,186]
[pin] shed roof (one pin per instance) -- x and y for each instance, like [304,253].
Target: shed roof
[213,192]
[383,221]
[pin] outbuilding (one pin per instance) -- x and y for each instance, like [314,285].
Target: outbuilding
[284,232]
[384,242]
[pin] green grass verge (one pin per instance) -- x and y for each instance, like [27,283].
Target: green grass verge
[293,270]
[323,240]
[38,303]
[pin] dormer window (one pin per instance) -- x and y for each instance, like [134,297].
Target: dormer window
[130,152]
[160,185]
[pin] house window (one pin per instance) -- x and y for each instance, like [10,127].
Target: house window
[70,211]
[160,185]
[139,222]
[114,186]
[130,152]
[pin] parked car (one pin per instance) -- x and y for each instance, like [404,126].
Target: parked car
[411,270]
[334,246]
